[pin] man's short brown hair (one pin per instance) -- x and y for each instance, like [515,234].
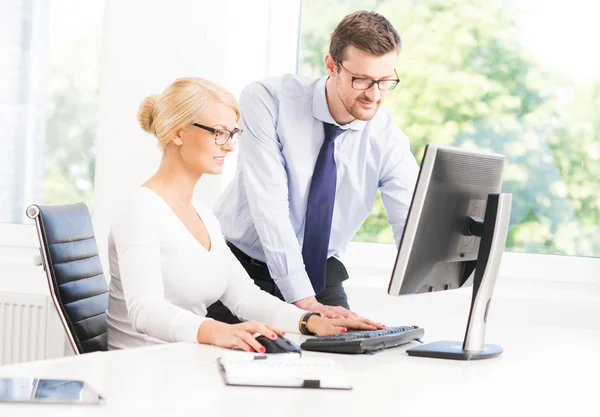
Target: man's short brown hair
[367,31]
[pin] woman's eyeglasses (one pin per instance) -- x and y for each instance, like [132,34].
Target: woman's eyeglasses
[222,135]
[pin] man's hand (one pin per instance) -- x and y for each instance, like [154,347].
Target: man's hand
[311,304]
[325,327]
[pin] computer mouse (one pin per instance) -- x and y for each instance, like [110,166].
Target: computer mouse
[279,345]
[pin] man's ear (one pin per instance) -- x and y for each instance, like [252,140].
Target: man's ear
[330,65]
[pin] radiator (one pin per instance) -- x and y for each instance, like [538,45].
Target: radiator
[23,327]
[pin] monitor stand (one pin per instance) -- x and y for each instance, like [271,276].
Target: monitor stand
[493,231]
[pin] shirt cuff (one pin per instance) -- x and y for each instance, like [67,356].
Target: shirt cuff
[185,327]
[295,287]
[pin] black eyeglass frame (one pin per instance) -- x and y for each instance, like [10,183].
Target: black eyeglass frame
[230,133]
[397,80]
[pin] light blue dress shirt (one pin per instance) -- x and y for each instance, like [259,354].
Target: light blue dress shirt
[263,209]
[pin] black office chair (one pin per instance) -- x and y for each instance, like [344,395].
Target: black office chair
[74,272]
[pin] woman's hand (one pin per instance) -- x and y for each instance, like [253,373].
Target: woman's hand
[240,335]
[323,326]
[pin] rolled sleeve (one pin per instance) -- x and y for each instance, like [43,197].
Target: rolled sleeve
[295,287]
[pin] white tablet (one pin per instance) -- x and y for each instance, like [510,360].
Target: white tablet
[33,390]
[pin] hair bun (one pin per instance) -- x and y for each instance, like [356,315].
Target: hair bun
[145,113]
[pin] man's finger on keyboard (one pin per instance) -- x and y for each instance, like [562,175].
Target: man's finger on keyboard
[347,315]
[329,312]
[341,312]
[353,324]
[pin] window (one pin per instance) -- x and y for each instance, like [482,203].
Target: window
[48,100]
[516,78]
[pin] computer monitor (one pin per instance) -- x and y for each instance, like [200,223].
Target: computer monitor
[456,229]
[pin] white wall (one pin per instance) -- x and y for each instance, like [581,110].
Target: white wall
[23,39]
[148,45]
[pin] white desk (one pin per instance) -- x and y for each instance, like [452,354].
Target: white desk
[550,366]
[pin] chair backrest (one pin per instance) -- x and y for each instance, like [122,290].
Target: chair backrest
[74,272]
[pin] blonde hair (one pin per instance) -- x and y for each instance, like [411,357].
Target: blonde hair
[180,104]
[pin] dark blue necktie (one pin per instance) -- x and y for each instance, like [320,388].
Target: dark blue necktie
[319,211]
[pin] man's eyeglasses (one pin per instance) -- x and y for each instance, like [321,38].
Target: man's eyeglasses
[222,135]
[367,83]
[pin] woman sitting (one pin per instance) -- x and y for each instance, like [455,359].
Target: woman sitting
[168,259]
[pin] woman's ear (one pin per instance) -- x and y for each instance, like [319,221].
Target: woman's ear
[178,138]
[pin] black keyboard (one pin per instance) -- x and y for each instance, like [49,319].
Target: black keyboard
[364,341]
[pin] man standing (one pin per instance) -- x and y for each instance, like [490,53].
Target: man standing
[313,154]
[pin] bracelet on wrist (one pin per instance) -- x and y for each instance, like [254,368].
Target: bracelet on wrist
[304,323]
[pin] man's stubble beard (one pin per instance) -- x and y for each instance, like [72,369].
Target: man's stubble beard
[353,107]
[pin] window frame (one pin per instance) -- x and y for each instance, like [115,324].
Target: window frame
[374,261]
[371,259]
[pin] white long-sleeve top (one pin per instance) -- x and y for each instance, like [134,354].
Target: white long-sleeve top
[163,279]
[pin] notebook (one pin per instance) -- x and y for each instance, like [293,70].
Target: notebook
[282,370]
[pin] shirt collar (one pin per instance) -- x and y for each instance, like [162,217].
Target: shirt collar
[321,110]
